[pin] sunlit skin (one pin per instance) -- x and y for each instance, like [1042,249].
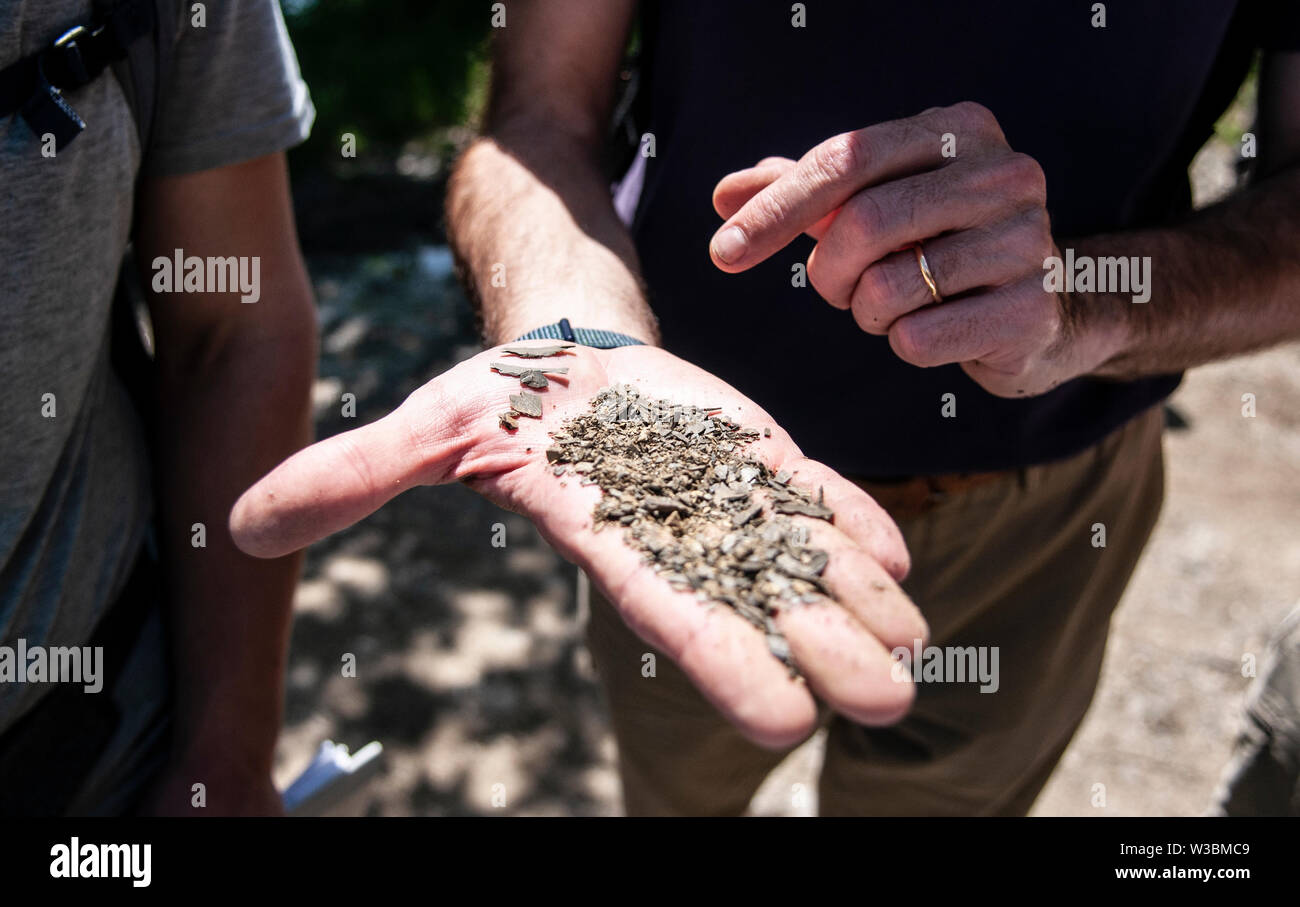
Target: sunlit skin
[448,431]
[980,214]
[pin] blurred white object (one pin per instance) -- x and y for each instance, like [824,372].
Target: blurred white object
[1263,776]
[332,776]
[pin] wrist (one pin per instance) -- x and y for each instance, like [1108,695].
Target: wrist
[227,757]
[1113,320]
[598,338]
[1098,330]
[610,310]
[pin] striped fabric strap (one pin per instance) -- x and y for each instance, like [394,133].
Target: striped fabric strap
[593,337]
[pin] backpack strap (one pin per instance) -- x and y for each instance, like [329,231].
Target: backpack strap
[140,72]
[34,85]
[145,67]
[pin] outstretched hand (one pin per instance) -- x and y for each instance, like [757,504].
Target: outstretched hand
[448,430]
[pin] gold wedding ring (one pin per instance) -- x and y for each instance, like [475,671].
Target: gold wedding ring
[926,274]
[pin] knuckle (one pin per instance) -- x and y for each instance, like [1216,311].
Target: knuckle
[1041,244]
[976,117]
[823,274]
[867,320]
[870,301]
[907,344]
[866,217]
[1026,174]
[1016,180]
[930,125]
[766,208]
[1042,222]
[817,273]
[879,286]
[1027,240]
[841,155]
[921,128]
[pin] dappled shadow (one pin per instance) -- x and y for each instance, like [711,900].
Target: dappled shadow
[468,662]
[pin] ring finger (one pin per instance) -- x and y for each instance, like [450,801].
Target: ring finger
[959,262]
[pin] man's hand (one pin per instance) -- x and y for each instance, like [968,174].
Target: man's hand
[867,196]
[448,431]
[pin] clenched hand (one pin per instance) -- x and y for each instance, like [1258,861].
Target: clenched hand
[980,214]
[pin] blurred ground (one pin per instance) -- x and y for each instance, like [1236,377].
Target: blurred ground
[470,669]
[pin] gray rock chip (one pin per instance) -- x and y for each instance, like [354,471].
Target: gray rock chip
[537,352]
[527,404]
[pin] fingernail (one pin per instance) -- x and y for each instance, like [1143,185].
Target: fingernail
[729,245]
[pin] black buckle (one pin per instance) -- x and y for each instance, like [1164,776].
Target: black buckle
[47,112]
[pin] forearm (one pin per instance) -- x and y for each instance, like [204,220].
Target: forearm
[231,415]
[1225,282]
[533,226]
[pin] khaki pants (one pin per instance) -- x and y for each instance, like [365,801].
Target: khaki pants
[1010,563]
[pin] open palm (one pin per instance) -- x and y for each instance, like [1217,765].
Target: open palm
[448,430]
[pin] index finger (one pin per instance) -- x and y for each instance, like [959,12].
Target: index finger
[823,180]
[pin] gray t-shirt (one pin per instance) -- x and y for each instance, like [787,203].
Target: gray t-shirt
[74,470]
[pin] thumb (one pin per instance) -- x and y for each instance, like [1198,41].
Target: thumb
[329,486]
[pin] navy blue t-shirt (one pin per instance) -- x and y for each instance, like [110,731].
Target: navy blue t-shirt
[1113,115]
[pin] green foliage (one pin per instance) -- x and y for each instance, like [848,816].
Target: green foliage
[1239,117]
[388,70]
